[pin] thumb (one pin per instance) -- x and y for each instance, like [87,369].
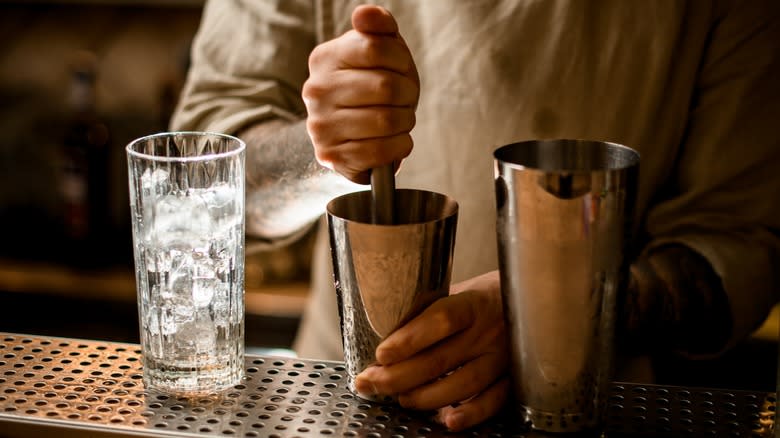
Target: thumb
[373,20]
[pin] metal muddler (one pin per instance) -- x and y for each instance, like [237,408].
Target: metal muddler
[383,194]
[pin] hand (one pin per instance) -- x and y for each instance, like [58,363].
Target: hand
[361,96]
[452,357]
[674,301]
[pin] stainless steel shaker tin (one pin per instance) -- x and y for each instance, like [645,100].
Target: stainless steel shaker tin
[387,274]
[565,209]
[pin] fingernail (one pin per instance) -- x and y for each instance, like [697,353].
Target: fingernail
[454,421]
[364,384]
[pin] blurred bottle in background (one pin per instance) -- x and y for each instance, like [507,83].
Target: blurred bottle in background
[84,165]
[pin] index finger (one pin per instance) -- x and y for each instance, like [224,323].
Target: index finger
[355,50]
[440,320]
[361,50]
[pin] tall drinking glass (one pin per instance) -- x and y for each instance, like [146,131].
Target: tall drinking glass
[187,205]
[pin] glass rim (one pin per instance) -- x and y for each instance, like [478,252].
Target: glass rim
[135,154]
[503,155]
[342,208]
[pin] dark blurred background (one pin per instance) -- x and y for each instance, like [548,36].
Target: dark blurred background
[78,81]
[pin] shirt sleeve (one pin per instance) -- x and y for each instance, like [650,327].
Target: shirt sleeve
[725,203]
[249,60]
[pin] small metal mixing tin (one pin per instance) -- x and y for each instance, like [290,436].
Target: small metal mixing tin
[76,387]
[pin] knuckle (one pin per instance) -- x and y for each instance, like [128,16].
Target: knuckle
[356,176]
[325,155]
[386,121]
[316,126]
[405,121]
[313,89]
[412,119]
[386,88]
[318,56]
[443,321]
[371,49]
[406,145]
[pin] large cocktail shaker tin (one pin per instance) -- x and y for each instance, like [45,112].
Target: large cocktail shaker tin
[565,209]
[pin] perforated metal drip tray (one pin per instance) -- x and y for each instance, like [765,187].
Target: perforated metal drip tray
[94,388]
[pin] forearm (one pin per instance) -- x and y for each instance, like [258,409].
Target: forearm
[675,300]
[719,207]
[275,148]
[286,188]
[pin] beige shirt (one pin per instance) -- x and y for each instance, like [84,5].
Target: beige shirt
[693,86]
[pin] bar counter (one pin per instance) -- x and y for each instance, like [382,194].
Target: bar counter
[71,387]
